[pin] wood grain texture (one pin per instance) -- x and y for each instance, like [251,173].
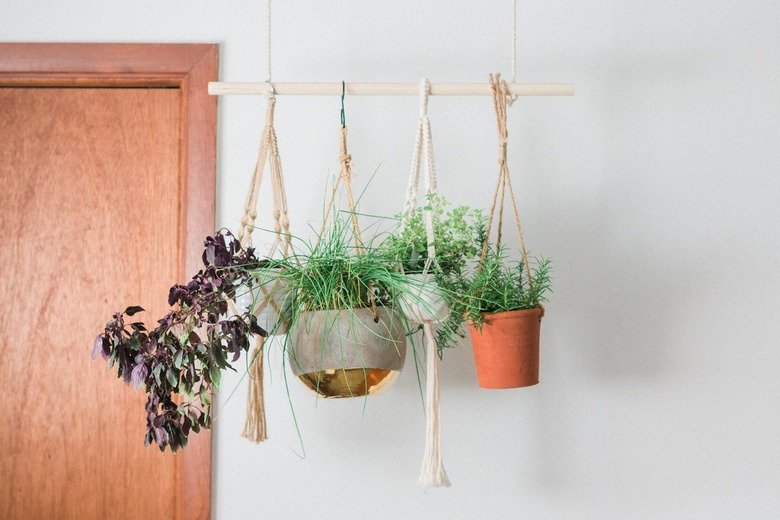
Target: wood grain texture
[187,68]
[109,59]
[89,223]
[199,158]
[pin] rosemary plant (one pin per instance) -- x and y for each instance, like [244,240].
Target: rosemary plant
[500,286]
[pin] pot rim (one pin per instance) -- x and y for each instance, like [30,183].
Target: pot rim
[507,315]
[389,309]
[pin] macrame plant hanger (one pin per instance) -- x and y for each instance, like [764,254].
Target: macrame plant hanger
[255,427]
[432,473]
[500,96]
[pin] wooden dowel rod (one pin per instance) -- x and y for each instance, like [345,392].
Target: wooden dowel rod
[218,88]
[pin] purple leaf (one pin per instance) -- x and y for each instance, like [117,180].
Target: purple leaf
[97,347]
[254,328]
[139,375]
[161,437]
[133,310]
[209,255]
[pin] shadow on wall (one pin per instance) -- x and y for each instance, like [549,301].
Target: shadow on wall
[621,228]
[621,285]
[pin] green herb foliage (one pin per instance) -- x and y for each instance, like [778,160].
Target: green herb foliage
[454,237]
[500,286]
[333,274]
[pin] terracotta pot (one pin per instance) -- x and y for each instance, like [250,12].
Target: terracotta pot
[275,315]
[347,353]
[506,350]
[426,301]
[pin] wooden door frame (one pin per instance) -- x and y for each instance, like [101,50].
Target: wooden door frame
[188,67]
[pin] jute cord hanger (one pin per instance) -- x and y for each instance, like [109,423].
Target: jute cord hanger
[255,428]
[504,180]
[346,175]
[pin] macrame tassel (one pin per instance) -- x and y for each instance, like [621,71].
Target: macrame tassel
[432,473]
[254,429]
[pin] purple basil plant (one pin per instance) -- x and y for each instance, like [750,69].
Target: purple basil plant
[185,354]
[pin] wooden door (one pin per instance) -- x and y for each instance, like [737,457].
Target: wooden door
[104,204]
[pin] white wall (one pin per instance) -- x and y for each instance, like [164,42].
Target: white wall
[655,191]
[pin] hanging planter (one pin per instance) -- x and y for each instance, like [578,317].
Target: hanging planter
[269,297]
[349,352]
[424,232]
[503,309]
[425,301]
[506,348]
[346,337]
[455,243]
[501,303]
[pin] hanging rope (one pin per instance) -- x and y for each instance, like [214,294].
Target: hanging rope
[500,96]
[268,146]
[346,175]
[514,40]
[432,472]
[512,98]
[268,42]
[423,148]
[255,427]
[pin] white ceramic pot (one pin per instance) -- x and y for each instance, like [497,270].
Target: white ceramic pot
[271,301]
[425,301]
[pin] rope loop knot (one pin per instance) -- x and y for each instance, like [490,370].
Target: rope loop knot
[502,146]
[345,158]
[270,94]
[425,90]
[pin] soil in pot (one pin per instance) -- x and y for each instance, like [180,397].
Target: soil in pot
[347,353]
[506,349]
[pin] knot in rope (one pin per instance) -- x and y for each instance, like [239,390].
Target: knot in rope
[500,97]
[270,94]
[345,159]
[346,168]
[502,146]
[425,90]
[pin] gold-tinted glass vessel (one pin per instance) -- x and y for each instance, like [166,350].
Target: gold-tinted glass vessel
[349,382]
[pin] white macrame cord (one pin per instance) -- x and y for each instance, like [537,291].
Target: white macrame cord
[432,473]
